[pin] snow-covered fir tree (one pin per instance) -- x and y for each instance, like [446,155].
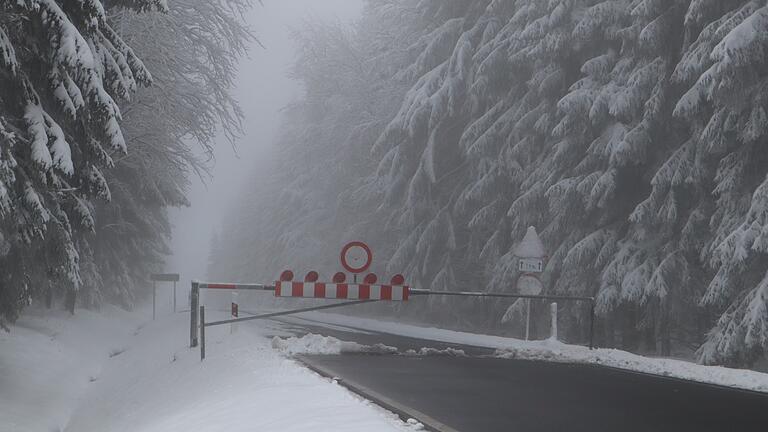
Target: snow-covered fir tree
[63,71]
[627,131]
[90,157]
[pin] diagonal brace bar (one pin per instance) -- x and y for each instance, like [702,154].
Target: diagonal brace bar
[289,312]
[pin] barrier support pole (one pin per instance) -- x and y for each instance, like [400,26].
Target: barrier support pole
[154,294]
[202,333]
[194,302]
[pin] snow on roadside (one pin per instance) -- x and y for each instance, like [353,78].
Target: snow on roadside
[429,351]
[550,350]
[91,372]
[328,345]
[49,360]
[317,344]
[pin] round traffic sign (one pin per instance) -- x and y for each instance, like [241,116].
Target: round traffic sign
[529,285]
[356,257]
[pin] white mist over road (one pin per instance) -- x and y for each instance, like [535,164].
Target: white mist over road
[263,89]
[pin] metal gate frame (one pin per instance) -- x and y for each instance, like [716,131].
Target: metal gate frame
[198,311]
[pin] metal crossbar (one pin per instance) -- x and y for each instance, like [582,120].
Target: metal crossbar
[501,295]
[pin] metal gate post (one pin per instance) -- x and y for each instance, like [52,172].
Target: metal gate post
[174,296]
[202,333]
[194,300]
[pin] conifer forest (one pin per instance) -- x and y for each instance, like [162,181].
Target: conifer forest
[632,134]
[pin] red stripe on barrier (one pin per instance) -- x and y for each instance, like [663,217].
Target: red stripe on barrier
[364,292]
[341,291]
[386,292]
[320,289]
[220,286]
[297,289]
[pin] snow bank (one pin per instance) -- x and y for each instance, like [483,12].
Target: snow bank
[428,351]
[317,344]
[551,350]
[329,345]
[92,372]
[49,360]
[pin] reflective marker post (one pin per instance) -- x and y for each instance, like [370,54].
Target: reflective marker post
[553,325]
[234,311]
[591,324]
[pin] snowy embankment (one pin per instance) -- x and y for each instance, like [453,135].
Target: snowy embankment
[551,350]
[318,344]
[328,345]
[109,372]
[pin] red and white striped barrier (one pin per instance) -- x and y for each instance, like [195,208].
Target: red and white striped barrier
[341,291]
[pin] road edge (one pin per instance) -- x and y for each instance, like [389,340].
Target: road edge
[400,410]
[662,376]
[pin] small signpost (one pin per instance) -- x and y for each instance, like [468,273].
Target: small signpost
[531,256]
[163,277]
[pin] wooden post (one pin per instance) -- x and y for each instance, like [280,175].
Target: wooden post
[154,294]
[202,333]
[194,300]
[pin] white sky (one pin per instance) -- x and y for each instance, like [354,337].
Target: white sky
[262,89]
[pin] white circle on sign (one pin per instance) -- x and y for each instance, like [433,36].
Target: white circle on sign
[529,285]
[356,257]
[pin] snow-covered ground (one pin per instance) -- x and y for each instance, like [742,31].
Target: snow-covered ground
[318,344]
[114,371]
[552,350]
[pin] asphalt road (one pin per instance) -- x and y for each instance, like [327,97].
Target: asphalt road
[485,394]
